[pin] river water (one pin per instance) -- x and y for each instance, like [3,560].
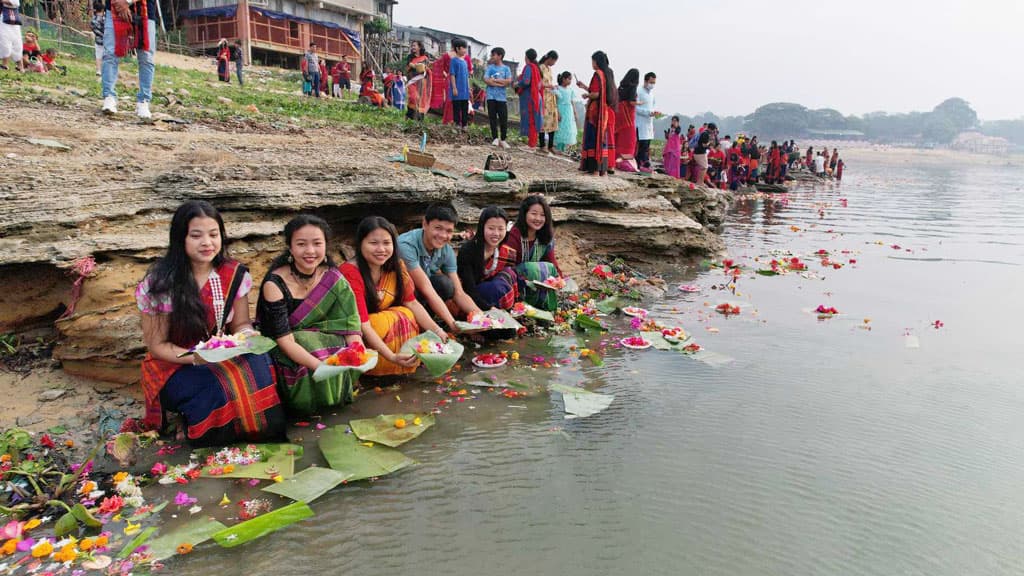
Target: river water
[870,443]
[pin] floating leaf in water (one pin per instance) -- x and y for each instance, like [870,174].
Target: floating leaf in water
[66,524]
[85,517]
[260,526]
[382,429]
[584,322]
[611,304]
[136,542]
[194,533]
[309,484]
[436,364]
[580,403]
[345,453]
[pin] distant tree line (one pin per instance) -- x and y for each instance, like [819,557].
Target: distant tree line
[785,120]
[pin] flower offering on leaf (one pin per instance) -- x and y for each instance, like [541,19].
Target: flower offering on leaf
[249,509]
[352,355]
[431,347]
[223,341]
[692,347]
[635,342]
[489,359]
[823,310]
[727,309]
[399,423]
[235,456]
[674,334]
[556,282]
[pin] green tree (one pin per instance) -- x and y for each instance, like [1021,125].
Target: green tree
[777,120]
[939,128]
[958,112]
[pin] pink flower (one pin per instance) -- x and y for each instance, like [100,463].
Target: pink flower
[12,530]
[158,469]
[183,499]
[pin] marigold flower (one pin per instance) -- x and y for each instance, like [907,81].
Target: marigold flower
[42,550]
[184,548]
[102,540]
[66,554]
[119,477]
[85,544]
[5,458]
[33,523]
[9,547]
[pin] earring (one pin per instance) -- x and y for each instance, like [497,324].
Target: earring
[290,260]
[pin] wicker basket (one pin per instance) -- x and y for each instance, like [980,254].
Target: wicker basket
[421,159]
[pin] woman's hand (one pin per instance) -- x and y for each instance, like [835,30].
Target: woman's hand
[440,333]
[404,360]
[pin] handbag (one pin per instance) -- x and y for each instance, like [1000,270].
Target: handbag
[498,162]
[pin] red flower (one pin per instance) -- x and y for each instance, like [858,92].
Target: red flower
[193,473]
[111,505]
[46,441]
[727,263]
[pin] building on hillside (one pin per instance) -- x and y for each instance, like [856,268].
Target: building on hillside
[278,32]
[979,143]
[477,50]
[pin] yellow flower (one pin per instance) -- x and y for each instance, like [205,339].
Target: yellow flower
[229,468]
[225,500]
[85,544]
[515,355]
[416,421]
[42,550]
[5,458]
[119,477]
[33,523]
[101,541]
[131,529]
[66,554]
[184,548]
[87,487]
[9,547]
[278,478]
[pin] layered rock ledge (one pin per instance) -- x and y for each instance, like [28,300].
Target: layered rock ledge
[110,197]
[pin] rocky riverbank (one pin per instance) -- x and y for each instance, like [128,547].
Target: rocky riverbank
[105,189]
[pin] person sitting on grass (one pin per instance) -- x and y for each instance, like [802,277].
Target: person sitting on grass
[432,265]
[49,60]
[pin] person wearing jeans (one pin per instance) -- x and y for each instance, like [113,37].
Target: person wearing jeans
[498,77]
[111,61]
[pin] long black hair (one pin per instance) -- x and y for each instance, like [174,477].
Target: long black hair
[610,94]
[545,234]
[551,55]
[367,225]
[172,275]
[628,86]
[295,224]
[474,247]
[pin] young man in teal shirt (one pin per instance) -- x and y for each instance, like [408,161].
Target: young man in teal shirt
[430,260]
[498,77]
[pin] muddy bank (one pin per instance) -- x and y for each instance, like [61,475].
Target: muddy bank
[110,197]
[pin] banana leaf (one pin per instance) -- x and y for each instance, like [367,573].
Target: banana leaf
[538,314]
[580,403]
[501,320]
[260,526]
[139,515]
[436,364]
[323,371]
[382,428]
[194,532]
[65,525]
[713,359]
[276,457]
[309,484]
[611,304]
[584,322]
[85,517]
[345,453]
[136,542]
[659,343]
[253,345]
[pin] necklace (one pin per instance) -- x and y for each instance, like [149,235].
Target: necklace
[304,281]
[377,284]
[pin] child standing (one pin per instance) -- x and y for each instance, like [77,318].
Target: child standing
[673,141]
[459,81]
[498,76]
[566,134]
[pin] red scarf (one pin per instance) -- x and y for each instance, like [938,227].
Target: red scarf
[134,34]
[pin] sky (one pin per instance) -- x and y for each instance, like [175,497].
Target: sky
[731,56]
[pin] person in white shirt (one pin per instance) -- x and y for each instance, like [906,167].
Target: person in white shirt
[645,114]
[819,165]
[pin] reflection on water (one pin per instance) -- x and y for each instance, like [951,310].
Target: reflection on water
[824,448]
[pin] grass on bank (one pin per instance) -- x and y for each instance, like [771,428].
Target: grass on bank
[270,97]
